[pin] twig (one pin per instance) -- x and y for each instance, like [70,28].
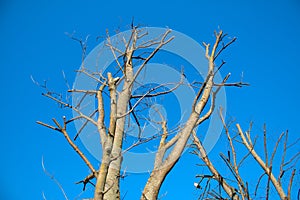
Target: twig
[54,179]
[146,94]
[162,42]
[290,184]
[266,147]
[87,180]
[73,108]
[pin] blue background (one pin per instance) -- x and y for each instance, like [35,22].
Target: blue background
[33,42]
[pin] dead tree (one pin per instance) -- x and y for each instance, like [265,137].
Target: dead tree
[107,176]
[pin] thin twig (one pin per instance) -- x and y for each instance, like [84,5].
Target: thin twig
[54,179]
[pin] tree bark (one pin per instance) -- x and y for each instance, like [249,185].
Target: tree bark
[159,173]
[113,176]
[153,185]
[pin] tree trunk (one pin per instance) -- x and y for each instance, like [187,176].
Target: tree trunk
[159,173]
[113,176]
[153,184]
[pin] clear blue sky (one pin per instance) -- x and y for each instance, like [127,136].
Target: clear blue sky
[34,43]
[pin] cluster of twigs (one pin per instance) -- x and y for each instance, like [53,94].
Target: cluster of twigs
[238,187]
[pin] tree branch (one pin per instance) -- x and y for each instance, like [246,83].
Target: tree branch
[267,170]
[62,130]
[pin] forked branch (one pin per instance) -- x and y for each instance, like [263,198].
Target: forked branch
[62,129]
[249,146]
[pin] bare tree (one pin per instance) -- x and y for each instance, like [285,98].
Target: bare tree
[123,102]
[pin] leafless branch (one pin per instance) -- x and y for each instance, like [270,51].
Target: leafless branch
[55,181]
[114,52]
[62,130]
[100,121]
[224,46]
[90,75]
[66,80]
[265,147]
[83,125]
[258,182]
[83,43]
[70,106]
[275,148]
[148,93]
[87,180]
[83,91]
[295,157]
[233,166]
[267,170]
[162,43]
[227,188]
[291,183]
[237,84]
